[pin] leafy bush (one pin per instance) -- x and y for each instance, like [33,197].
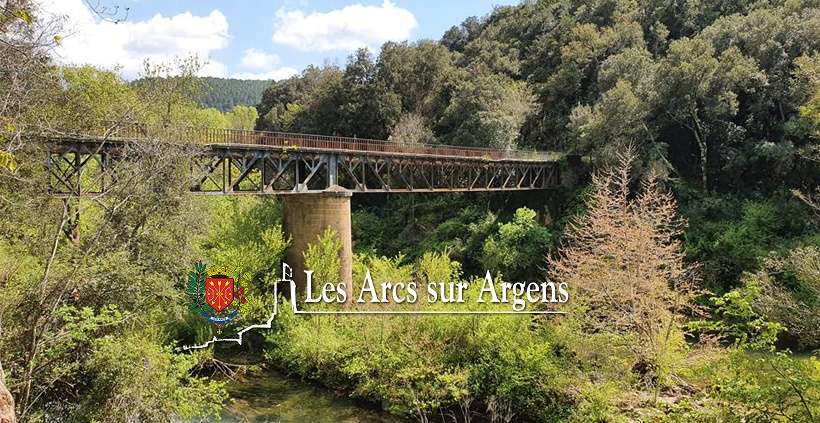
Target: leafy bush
[134,379]
[518,245]
[245,236]
[322,256]
[780,300]
[368,231]
[731,236]
[790,294]
[741,387]
[417,366]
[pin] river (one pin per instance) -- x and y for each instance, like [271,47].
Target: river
[269,396]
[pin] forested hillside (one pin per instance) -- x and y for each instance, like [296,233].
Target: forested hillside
[707,92]
[689,238]
[225,93]
[719,98]
[718,101]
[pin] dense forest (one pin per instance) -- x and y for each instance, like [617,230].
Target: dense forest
[721,99]
[690,243]
[226,93]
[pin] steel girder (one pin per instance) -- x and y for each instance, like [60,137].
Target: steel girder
[228,171]
[80,169]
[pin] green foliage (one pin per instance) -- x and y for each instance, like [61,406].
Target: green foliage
[411,129]
[776,387]
[90,98]
[133,378]
[438,267]
[461,362]
[518,246]
[7,161]
[241,117]
[705,92]
[488,111]
[195,288]
[307,103]
[753,381]
[367,230]
[739,322]
[789,288]
[730,236]
[246,236]
[226,94]
[382,268]
[126,271]
[811,111]
[322,256]
[744,387]
[462,236]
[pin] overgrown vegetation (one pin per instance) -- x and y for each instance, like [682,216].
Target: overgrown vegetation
[620,353]
[694,267]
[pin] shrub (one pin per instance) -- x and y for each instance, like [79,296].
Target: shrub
[498,367]
[743,387]
[134,379]
[625,268]
[322,256]
[790,294]
[781,299]
[518,245]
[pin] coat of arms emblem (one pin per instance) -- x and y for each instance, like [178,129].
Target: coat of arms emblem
[214,295]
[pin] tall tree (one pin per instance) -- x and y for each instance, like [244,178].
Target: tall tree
[698,89]
[367,109]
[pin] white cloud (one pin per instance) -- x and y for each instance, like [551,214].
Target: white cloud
[88,39]
[258,59]
[214,68]
[275,74]
[262,65]
[347,28]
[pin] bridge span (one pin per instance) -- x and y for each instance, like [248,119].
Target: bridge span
[259,162]
[315,174]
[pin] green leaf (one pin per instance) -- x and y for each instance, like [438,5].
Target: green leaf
[7,161]
[24,15]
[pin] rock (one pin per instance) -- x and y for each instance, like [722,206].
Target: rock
[6,405]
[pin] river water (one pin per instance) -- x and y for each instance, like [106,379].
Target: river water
[269,396]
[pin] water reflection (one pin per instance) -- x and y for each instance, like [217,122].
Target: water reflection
[272,397]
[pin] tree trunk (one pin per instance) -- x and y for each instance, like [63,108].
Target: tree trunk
[704,150]
[704,154]
[6,401]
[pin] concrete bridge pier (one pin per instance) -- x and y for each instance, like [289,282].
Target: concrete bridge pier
[306,217]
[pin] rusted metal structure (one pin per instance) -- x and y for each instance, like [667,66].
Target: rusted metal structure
[315,174]
[229,161]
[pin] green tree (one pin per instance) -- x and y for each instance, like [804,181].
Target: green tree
[421,74]
[518,246]
[698,88]
[367,108]
[411,129]
[488,111]
[241,117]
[322,256]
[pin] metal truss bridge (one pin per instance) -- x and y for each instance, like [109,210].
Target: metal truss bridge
[229,161]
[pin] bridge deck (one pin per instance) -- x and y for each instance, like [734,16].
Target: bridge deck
[241,137]
[241,161]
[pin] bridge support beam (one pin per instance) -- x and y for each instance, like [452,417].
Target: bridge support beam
[306,217]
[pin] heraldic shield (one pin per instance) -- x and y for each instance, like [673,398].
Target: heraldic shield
[219,292]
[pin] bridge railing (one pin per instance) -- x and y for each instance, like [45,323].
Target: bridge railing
[308,141]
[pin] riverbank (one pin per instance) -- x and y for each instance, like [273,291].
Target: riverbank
[264,395]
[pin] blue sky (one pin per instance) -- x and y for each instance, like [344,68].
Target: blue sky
[249,39]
